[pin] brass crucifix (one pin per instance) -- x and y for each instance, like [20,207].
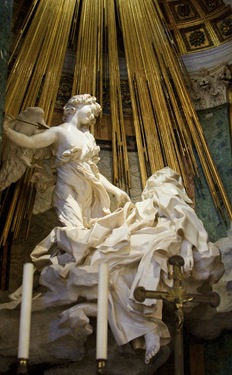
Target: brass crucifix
[178,295]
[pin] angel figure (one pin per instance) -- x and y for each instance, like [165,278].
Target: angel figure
[81,191]
[135,240]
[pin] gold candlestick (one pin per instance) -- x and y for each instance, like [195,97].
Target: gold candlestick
[22,366]
[101,367]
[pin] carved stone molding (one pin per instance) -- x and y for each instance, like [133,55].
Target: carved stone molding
[208,88]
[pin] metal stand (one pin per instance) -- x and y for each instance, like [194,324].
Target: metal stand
[101,367]
[22,366]
[178,295]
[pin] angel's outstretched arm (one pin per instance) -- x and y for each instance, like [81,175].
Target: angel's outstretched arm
[120,195]
[40,140]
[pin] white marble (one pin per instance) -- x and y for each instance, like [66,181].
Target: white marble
[209,88]
[135,239]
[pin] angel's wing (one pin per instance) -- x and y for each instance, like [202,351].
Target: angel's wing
[15,159]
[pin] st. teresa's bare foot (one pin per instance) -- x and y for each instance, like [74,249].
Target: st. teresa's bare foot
[152,340]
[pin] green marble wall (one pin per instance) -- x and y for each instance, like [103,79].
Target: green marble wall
[215,124]
[6,7]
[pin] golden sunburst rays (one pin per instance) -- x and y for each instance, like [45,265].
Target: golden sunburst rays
[166,123]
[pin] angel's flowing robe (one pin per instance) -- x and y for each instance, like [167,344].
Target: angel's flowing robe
[136,241]
[78,195]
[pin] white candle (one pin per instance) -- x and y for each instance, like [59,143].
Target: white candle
[102,311]
[25,311]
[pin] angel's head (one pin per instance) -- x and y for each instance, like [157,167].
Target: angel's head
[86,104]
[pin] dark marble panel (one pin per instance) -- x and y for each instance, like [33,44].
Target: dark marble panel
[218,359]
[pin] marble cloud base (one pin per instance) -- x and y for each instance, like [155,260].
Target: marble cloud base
[62,352]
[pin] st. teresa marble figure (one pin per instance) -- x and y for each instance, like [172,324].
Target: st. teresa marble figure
[136,240]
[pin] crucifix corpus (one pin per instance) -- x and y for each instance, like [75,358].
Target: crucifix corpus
[179,296]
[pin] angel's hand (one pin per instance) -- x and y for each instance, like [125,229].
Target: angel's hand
[7,122]
[121,197]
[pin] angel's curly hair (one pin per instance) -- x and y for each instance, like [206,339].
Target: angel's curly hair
[79,101]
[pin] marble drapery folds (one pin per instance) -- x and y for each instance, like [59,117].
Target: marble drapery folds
[136,242]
